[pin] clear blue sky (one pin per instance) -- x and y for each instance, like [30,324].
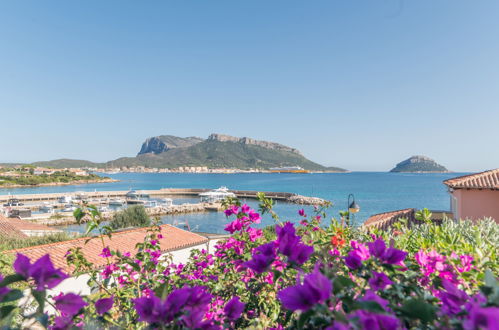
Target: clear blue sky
[357,84]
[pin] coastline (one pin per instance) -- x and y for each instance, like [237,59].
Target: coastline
[54,184]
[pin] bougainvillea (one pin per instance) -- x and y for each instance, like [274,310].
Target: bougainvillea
[309,274]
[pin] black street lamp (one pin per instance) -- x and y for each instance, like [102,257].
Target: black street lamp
[352,208]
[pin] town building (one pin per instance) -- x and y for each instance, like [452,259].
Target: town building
[475,196]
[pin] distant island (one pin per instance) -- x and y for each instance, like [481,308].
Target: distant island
[22,176]
[419,164]
[218,151]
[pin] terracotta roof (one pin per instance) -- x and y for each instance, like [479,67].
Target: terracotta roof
[482,180]
[8,230]
[173,239]
[28,225]
[387,218]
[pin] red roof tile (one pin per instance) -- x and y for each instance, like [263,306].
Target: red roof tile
[28,225]
[10,231]
[382,220]
[482,180]
[124,241]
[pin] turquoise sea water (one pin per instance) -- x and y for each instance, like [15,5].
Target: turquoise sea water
[375,192]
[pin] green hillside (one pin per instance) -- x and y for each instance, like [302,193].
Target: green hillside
[216,154]
[67,163]
[419,164]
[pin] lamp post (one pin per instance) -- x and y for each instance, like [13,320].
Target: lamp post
[352,208]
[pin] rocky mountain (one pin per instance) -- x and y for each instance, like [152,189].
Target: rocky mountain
[217,151]
[419,164]
[162,143]
[249,141]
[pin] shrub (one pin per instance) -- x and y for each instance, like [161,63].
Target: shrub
[307,276]
[133,216]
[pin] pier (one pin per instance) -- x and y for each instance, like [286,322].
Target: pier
[164,192]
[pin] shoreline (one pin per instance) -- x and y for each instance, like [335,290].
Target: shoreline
[55,184]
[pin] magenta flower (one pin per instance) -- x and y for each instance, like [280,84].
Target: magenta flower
[254,217]
[245,209]
[394,256]
[42,271]
[302,213]
[149,309]
[262,258]
[62,323]
[369,320]
[300,254]
[482,318]
[290,244]
[234,226]
[466,261]
[254,233]
[452,298]
[103,305]
[316,288]
[379,281]
[372,296]
[3,290]
[187,305]
[377,248]
[234,308]
[353,261]
[69,304]
[106,253]
[361,250]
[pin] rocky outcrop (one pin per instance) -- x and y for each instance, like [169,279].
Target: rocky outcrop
[304,200]
[162,143]
[249,141]
[419,164]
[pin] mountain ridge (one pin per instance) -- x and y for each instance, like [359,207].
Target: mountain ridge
[217,151]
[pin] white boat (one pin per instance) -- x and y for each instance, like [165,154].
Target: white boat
[116,202]
[103,208]
[46,208]
[151,203]
[69,208]
[65,199]
[216,195]
[166,202]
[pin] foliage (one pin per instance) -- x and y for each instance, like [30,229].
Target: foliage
[26,177]
[133,216]
[313,275]
[9,243]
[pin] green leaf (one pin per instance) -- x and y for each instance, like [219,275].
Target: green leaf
[304,317]
[371,306]
[340,283]
[419,309]
[40,299]
[6,310]
[11,279]
[13,295]
[78,214]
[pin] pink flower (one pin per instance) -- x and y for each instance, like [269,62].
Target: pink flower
[254,233]
[302,213]
[160,236]
[106,253]
[466,261]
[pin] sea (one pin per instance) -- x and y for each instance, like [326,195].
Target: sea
[374,192]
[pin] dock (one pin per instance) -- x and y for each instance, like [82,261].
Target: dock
[164,192]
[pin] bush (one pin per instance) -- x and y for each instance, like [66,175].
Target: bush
[306,276]
[133,216]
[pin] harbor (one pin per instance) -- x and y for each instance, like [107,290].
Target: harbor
[56,209]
